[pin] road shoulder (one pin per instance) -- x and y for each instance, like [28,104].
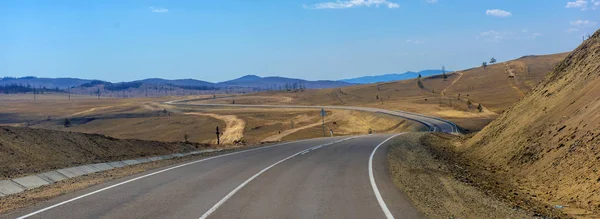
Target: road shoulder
[437,190]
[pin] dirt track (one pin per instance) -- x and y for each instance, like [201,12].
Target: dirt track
[234,130]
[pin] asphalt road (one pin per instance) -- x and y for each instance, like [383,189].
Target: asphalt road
[433,123]
[318,178]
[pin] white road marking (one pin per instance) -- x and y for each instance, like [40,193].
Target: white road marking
[382,204]
[305,152]
[147,175]
[224,199]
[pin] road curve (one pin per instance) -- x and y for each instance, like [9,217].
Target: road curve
[340,177]
[433,123]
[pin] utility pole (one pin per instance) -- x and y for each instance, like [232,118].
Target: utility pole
[218,136]
[323,114]
[34,93]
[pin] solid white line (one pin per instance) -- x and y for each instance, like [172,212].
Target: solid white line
[147,175]
[384,207]
[224,199]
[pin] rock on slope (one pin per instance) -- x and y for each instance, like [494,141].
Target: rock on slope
[550,140]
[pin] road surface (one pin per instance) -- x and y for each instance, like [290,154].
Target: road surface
[433,123]
[341,177]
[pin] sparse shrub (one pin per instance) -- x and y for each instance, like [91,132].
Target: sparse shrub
[480,108]
[186,137]
[377,97]
[67,123]
[469,103]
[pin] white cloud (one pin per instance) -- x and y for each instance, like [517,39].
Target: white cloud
[159,10]
[497,36]
[584,4]
[431,1]
[498,13]
[353,3]
[571,30]
[414,42]
[583,23]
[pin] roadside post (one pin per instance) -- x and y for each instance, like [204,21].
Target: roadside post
[218,136]
[323,114]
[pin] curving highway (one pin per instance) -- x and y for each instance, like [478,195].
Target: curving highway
[433,123]
[339,177]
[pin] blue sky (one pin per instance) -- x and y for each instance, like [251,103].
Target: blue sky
[119,40]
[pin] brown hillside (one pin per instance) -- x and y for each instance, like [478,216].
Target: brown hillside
[550,140]
[493,87]
[24,150]
[490,86]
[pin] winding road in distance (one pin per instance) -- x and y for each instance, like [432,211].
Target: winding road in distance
[339,177]
[433,123]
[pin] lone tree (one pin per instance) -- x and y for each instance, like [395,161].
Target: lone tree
[469,103]
[484,65]
[165,111]
[67,123]
[480,108]
[492,60]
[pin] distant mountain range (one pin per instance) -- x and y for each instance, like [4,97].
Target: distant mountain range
[50,83]
[159,86]
[275,82]
[248,81]
[392,77]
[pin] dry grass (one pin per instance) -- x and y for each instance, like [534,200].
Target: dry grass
[145,118]
[436,185]
[25,151]
[550,140]
[233,131]
[345,122]
[491,87]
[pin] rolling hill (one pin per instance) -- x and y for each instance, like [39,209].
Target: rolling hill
[550,140]
[433,95]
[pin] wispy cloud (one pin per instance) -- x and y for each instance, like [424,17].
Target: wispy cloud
[498,13]
[497,36]
[159,10]
[352,4]
[583,23]
[584,4]
[414,42]
[431,1]
[571,30]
